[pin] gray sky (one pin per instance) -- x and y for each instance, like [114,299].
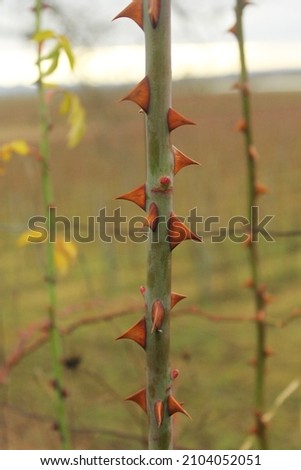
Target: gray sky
[272,32]
[198,21]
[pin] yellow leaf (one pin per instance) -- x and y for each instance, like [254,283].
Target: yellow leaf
[61,262]
[19,147]
[72,106]
[31,236]
[65,103]
[77,128]
[6,152]
[52,54]
[65,44]
[55,62]
[64,254]
[41,36]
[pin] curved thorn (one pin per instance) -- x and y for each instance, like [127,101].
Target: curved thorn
[136,333]
[152,217]
[247,3]
[243,87]
[233,30]
[175,298]
[158,313]
[134,11]
[159,412]
[261,189]
[241,125]
[174,406]
[181,160]
[140,95]
[139,398]
[137,195]
[178,232]
[175,119]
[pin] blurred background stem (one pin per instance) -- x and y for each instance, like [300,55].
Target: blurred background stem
[259,300]
[55,339]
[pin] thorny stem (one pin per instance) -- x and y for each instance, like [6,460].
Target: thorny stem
[166,231]
[55,340]
[252,246]
[159,163]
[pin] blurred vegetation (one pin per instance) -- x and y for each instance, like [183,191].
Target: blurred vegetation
[216,380]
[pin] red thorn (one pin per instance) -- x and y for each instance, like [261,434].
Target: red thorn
[249,283]
[159,412]
[137,195]
[241,125]
[233,30]
[243,87]
[268,298]
[264,295]
[134,11]
[178,232]
[136,333]
[174,406]
[139,398]
[246,3]
[260,316]
[174,374]
[158,313]
[253,153]
[268,352]
[248,241]
[140,95]
[181,160]
[175,119]
[154,7]
[175,298]
[260,189]
[153,216]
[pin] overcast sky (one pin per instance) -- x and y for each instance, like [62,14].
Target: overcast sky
[198,20]
[275,24]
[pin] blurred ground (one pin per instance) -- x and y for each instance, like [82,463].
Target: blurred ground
[216,381]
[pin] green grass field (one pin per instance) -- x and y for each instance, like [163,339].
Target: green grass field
[216,380]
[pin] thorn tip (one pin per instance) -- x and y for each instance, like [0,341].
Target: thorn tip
[139,398]
[179,232]
[134,11]
[175,119]
[181,160]
[140,94]
[174,406]
[136,333]
[137,195]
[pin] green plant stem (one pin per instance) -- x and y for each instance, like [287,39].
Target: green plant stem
[159,163]
[55,339]
[253,249]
